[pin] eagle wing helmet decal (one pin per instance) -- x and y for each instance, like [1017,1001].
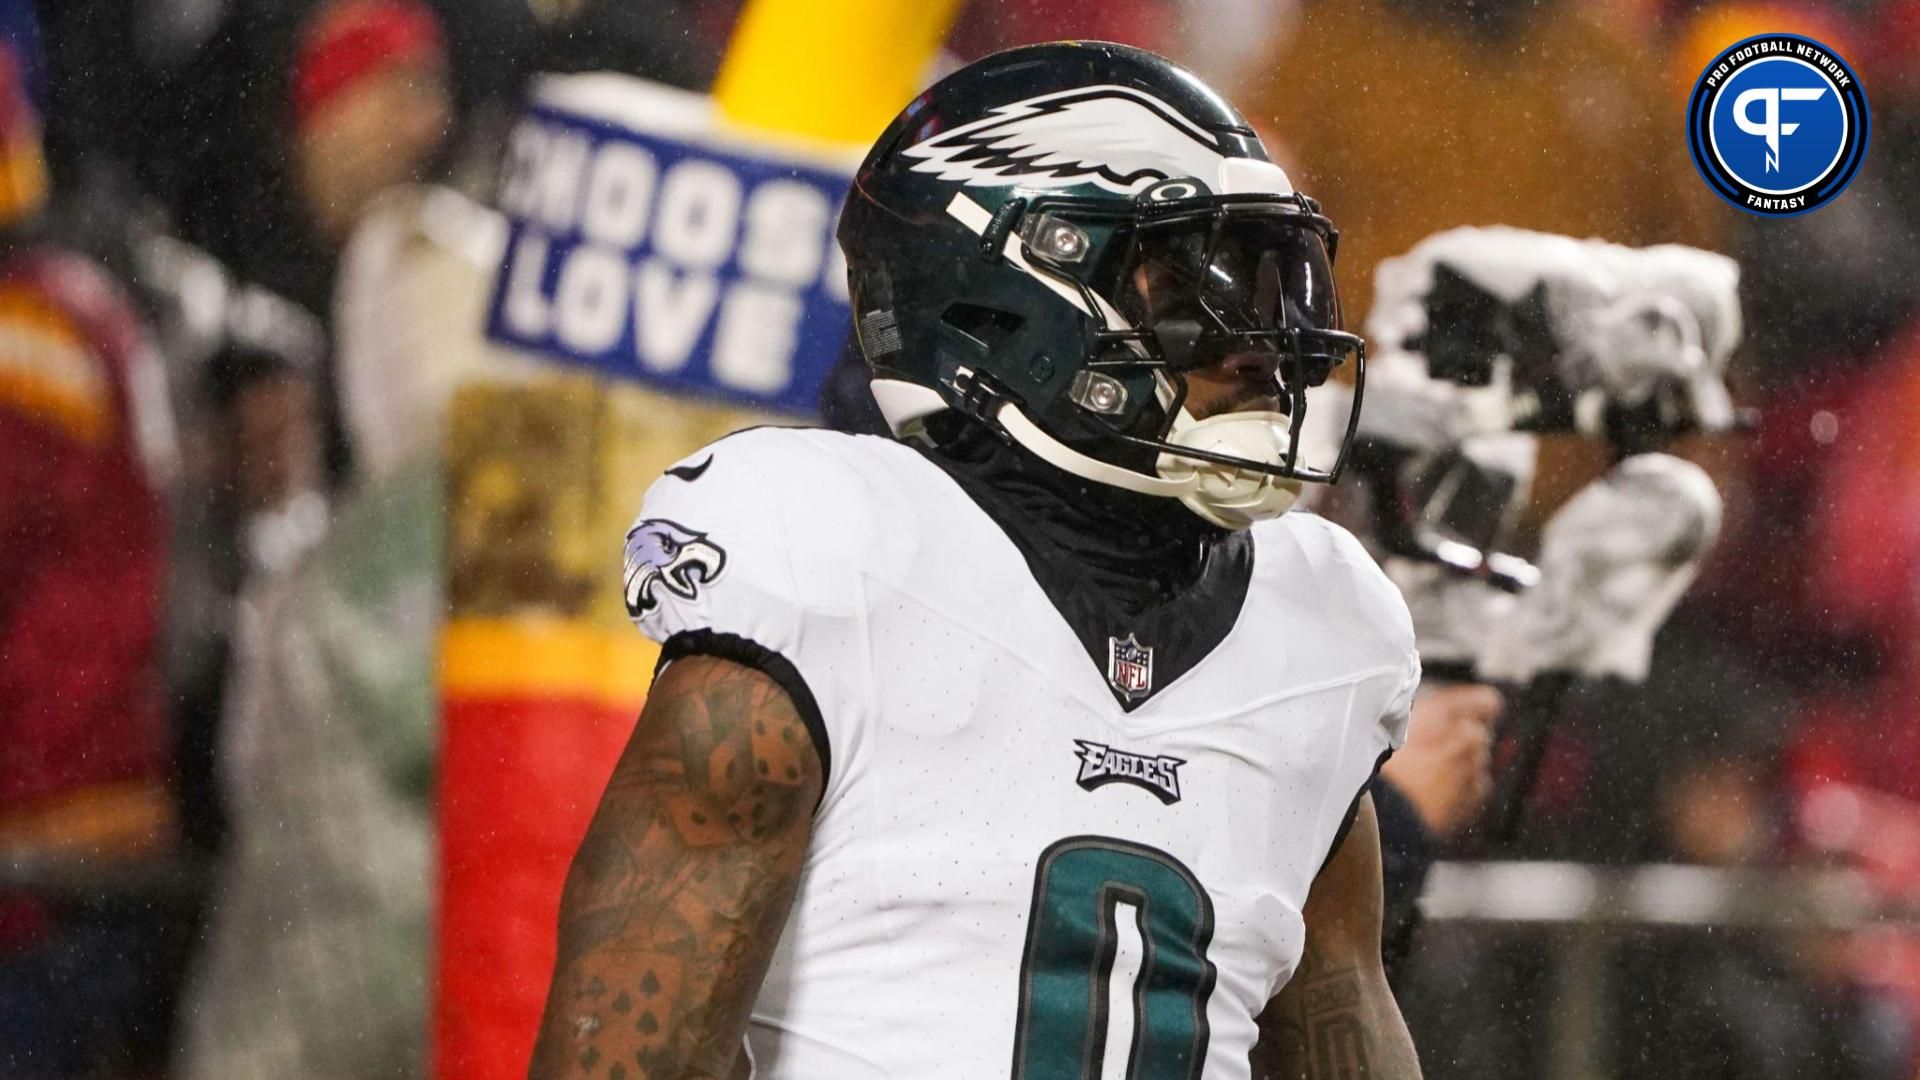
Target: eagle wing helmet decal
[1118,138]
[665,554]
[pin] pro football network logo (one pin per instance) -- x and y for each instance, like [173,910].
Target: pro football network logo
[1778,125]
[1101,764]
[1130,667]
[663,554]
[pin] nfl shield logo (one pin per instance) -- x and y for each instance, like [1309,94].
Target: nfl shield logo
[1129,667]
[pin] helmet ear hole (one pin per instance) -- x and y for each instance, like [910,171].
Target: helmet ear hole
[986,328]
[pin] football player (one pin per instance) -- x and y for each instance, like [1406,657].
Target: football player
[1036,742]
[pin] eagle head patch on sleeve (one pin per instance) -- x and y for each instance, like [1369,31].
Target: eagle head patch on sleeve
[664,554]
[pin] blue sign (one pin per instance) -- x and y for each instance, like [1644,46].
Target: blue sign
[20,32]
[705,271]
[1778,124]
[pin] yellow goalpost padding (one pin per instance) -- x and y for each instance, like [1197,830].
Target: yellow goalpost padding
[835,70]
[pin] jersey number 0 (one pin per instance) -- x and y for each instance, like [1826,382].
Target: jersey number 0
[1101,904]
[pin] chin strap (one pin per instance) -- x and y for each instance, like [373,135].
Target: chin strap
[1064,457]
[1221,494]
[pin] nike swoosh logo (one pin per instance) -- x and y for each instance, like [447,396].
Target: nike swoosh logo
[690,473]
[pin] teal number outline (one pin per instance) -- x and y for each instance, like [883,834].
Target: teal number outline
[1047,945]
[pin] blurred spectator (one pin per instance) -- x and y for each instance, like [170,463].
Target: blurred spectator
[1747,1005]
[87,459]
[1817,579]
[1832,526]
[371,105]
[371,108]
[241,366]
[413,289]
[315,960]
[316,956]
[246,363]
[301,112]
[84,414]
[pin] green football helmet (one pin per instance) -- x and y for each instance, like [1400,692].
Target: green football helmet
[1050,240]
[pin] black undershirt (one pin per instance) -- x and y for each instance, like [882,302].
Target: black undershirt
[1114,563]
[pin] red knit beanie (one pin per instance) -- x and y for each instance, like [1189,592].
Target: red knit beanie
[350,39]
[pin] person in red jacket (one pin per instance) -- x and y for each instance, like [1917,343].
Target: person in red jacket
[84,436]
[81,536]
[85,446]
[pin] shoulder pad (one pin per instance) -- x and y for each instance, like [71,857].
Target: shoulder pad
[764,520]
[1315,560]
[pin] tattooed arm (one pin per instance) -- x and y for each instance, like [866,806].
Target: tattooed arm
[679,891]
[1336,1019]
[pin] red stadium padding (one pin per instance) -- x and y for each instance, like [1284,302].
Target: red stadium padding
[533,720]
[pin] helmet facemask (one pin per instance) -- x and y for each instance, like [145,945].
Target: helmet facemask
[1175,286]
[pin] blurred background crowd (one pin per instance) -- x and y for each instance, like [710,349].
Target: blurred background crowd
[245,247]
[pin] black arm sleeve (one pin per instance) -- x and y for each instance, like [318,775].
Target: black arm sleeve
[1406,854]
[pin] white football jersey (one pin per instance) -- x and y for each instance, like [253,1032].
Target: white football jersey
[1044,851]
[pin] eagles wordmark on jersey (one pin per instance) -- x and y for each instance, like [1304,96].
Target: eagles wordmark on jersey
[975,894]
